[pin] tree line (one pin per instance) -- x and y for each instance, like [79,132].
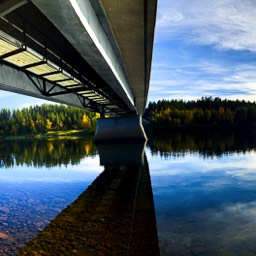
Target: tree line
[45,118]
[205,111]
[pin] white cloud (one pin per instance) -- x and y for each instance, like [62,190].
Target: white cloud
[212,68]
[36,102]
[227,24]
[202,78]
[192,58]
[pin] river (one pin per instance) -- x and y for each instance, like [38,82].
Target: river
[204,189]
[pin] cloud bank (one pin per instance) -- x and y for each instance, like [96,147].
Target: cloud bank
[204,48]
[227,24]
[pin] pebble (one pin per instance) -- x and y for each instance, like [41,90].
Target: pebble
[5,210]
[23,218]
[106,229]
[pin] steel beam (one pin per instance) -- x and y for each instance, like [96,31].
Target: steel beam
[79,23]
[15,80]
[8,6]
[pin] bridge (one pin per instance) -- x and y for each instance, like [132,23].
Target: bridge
[91,54]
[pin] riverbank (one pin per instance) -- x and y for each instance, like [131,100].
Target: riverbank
[151,130]
[159,128]
[78,133]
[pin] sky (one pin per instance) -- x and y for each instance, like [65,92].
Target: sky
[201,49]
[204,48]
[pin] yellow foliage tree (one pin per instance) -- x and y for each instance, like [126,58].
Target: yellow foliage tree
[48,125]
[86,124]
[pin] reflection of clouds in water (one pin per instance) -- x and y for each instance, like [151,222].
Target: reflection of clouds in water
[239,166]
[88,168]
[88,164]
[247,173]
[229,230]
[238,210]
[205,206]
[233,223]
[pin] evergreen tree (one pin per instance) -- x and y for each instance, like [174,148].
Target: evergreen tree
[205,111]
[41,119]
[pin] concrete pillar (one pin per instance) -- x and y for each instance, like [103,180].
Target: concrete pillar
[119,154]
[125,128]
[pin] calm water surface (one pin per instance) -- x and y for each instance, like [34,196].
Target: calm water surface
[38,179]
[204,189]
[205,194]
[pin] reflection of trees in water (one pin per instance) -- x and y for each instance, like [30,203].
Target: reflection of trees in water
[49,152]
[206,144]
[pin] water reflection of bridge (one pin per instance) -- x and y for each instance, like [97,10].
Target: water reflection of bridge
[114,216]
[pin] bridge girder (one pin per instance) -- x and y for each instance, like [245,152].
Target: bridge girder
[8,6]
[82,68]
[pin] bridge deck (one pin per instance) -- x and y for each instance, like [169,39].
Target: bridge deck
[98,51]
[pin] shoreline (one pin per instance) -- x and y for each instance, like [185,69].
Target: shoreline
[78,133]
[197,128]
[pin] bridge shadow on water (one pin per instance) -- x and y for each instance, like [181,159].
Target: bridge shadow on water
[114,216]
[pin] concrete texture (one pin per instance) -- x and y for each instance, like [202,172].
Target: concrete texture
[125,128]
[106,43]
[73,27]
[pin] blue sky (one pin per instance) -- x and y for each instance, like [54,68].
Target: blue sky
[202,48]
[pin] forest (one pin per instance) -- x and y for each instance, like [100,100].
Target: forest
[172,113]
[45,118]
[205,111]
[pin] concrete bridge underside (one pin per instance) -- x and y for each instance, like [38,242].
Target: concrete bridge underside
[106,46]
[91,54]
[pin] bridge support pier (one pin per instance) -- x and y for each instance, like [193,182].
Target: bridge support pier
[116,129]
